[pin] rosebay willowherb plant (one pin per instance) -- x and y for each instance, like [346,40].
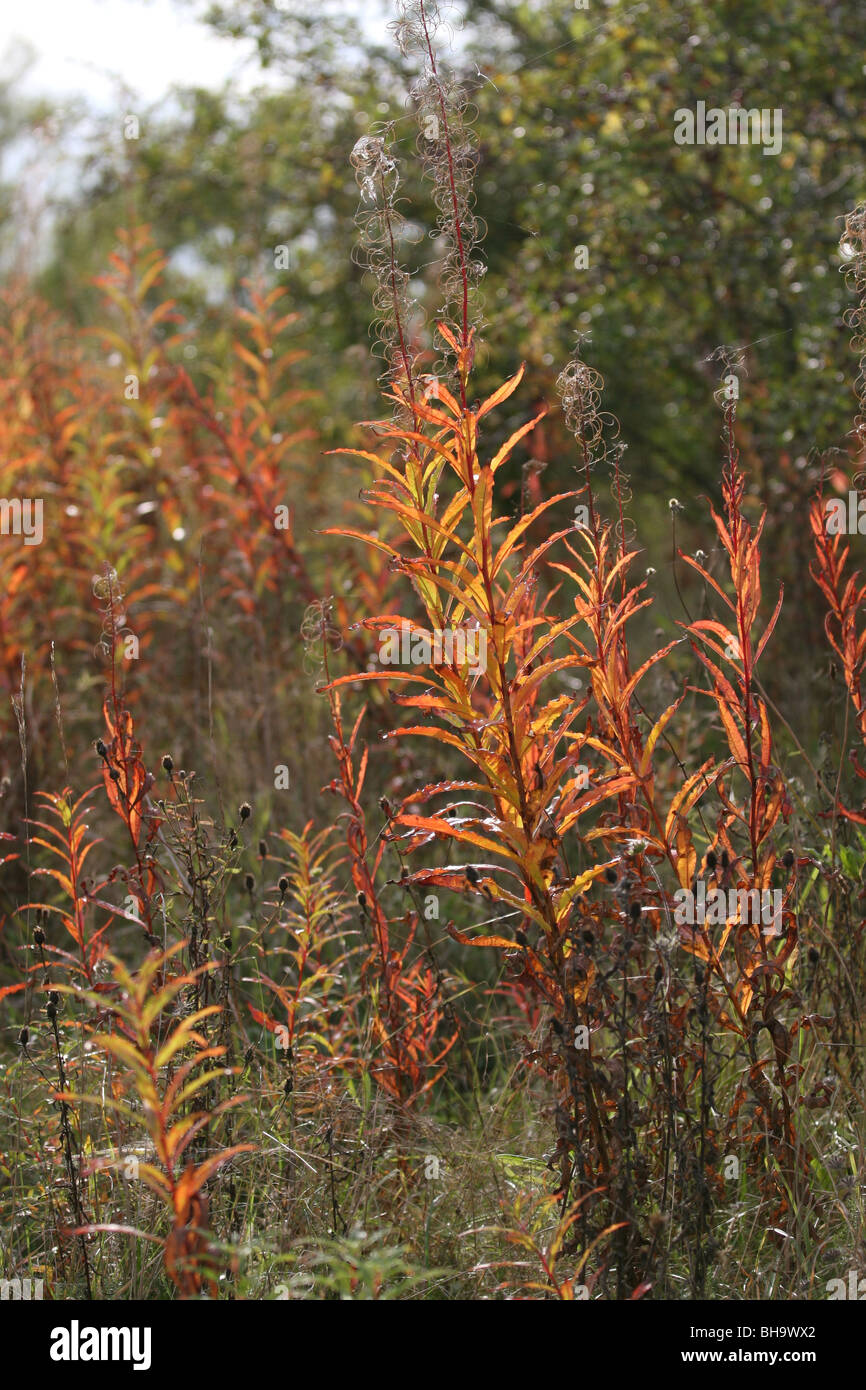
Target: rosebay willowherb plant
[578,812]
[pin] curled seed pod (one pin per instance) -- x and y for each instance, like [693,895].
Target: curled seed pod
[852,246]
[580,387]
[448,151]
[381,230]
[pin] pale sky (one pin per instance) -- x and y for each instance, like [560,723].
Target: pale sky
[82,46]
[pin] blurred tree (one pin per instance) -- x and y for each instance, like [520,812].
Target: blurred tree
[594,213]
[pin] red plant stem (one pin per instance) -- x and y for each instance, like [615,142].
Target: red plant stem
[458,234]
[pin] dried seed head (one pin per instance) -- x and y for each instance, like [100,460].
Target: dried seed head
[39,936]
[814,955]
[263,850]
[168,764]
[249,882]
[853,248]
[788,859]
[24,1037]
[245,810]
[283,885]
[100,748]
[580,387]
[711,859]
[472,875]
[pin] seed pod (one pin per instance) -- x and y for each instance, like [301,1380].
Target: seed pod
[249,882]
[39,936]
[100,748]
[788,859]
[283,885]
[245,810]
[168,764]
